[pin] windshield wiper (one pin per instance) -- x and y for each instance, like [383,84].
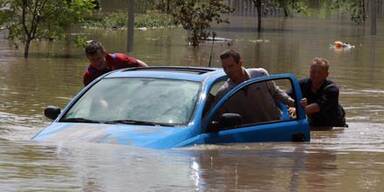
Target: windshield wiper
[81,120]
[137,122]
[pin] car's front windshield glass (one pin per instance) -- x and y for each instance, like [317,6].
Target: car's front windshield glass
[145,100]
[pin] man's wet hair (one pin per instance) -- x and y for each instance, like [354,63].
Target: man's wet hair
[324,63]
[92,47]
[230,53]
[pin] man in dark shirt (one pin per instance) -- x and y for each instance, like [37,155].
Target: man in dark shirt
[102,62]
[321,97]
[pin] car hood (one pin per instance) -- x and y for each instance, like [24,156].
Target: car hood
[138,135]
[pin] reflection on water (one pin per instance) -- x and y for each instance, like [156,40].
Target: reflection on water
[246,167]
[349,159]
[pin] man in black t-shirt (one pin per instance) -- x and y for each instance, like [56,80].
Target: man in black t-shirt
[321,97]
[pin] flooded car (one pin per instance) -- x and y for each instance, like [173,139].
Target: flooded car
[166,107]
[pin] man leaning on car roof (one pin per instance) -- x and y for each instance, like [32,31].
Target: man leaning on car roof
[102,62]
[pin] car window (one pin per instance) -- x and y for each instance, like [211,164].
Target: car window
[140,99]
[212,94]
[260,102]
[216,86]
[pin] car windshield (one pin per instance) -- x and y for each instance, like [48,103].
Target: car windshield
[136,101]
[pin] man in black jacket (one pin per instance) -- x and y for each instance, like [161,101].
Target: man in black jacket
[321,97]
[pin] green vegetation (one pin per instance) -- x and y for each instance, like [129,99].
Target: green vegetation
[288,7]
[354,8]
[196,17]
[151,19]
[27,20]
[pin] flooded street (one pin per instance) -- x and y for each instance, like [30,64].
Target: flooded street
[350,159]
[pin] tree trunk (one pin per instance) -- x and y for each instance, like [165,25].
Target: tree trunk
[285,8]
[373,16]
[26,47]
[168,7]
[286,13]
[195,41]
[362,5]
[130,25]
[258,6]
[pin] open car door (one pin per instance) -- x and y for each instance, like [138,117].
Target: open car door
[254,111]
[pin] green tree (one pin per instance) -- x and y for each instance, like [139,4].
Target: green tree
[27,20]
[196,17]
[164,5]
[355,8]
[287,6]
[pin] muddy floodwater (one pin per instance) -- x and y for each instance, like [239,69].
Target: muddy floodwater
[350,159]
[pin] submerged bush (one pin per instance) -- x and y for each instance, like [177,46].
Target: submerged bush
[153,19]
[196,17]
[119,20]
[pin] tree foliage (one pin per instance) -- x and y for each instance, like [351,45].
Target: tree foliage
[355,8]
[196,17]
[27,20]
[269,7]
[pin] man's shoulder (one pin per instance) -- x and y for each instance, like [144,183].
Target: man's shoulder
[305,85]
[304,80]
[329,82]
[330,86]
[90,73]
[90,69]
[122,55]
[119,57]
[257,72]
[226,85]
[223,89]
[120,60]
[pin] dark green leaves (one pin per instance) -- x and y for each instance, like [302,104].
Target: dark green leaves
[196,17]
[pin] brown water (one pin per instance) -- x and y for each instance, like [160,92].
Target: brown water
[350,159]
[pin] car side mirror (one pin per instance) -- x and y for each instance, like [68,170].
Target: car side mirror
[52,112]
[230,120]
[226,120]
[213,127]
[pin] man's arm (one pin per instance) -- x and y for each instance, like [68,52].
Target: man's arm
[276,92]
[121,60]
[311,108]
[141,63]
[220,93]
[280,95]
[328,99]
[87,78]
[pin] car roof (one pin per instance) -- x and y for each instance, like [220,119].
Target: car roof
[169,72]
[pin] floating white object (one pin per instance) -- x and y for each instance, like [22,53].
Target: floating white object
[339,45]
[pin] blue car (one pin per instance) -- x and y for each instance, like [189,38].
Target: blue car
[166,107]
